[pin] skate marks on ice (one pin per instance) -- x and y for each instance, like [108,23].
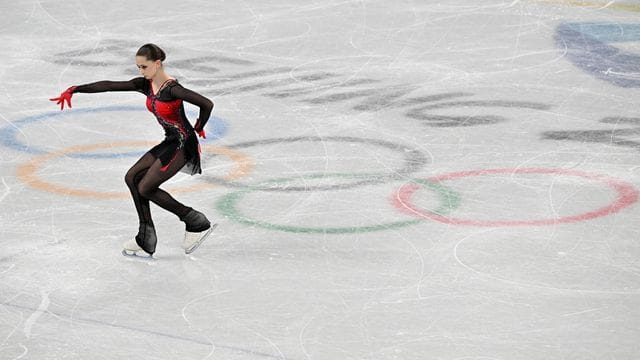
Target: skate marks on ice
[17,135]
[28,172]
[625,133]
[625,195]
[425,112]
[489,214]
[74,317]
[597,5]
[323,85]
[5,191]
[559,265]
[122,51]
[413,160]
[42,308]
[590,47]
[445,201]
[323,164]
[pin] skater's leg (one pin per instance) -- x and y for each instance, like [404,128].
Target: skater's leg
[198,226]
[149,185]
[146,238]
[133,178]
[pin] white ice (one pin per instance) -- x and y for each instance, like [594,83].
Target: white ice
[354,221]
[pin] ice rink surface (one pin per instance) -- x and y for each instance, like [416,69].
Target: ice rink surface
[392,180]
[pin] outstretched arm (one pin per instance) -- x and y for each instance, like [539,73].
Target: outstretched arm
[205,105]
[106,85]
[136,84]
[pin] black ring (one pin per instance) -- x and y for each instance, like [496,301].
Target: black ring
[414,160]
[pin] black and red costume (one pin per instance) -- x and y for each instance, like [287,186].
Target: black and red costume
[168,108]
[179,151]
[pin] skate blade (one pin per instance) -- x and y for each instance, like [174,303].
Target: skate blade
[204,237]
[135,254]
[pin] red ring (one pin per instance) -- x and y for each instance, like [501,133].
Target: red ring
[627,195]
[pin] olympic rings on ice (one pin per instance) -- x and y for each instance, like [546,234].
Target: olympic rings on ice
[227,205]
[626,193]
[413,160]
[27,172]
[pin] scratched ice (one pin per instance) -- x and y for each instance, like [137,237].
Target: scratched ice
[392,180]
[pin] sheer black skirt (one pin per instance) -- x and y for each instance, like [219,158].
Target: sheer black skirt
[167,151]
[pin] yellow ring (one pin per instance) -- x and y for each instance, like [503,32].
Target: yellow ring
[27,171]
[596,5]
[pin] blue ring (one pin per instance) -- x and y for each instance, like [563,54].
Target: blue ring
[589,48]
[216,127]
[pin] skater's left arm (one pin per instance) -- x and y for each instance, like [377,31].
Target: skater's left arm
[192,97]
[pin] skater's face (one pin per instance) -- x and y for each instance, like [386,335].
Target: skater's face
[148,68]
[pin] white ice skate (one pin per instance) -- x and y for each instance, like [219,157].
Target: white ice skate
[131,248]
[192,240]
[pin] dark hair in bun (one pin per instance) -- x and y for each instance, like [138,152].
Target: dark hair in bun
[151,52]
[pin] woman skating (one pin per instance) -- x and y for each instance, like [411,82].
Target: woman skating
[179,151]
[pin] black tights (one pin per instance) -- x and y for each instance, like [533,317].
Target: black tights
[144,180]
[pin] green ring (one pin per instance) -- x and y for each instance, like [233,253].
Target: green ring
[227,206]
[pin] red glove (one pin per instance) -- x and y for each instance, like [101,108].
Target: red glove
[200,132]
[66,95]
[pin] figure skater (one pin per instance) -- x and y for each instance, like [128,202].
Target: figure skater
[179,151]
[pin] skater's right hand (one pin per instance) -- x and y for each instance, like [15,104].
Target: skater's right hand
[198,127]
[65,96]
